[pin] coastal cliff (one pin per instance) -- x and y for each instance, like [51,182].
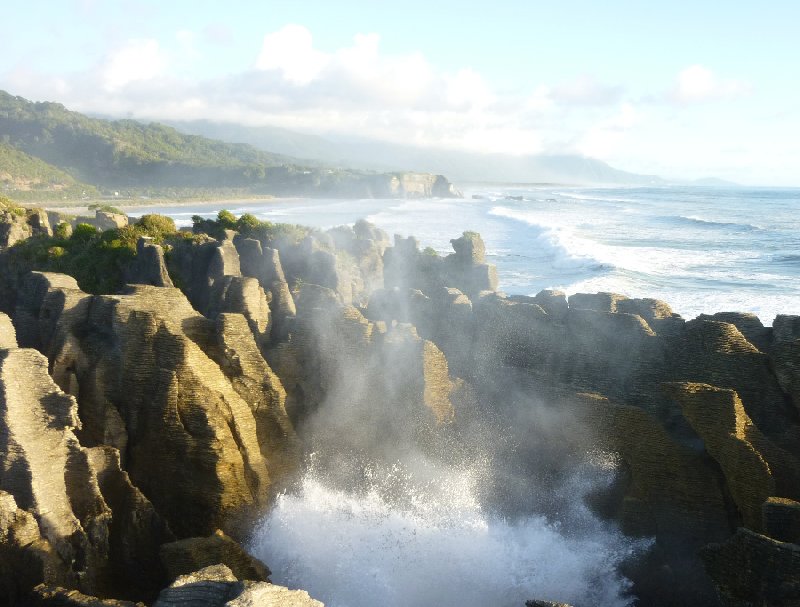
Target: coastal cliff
[143,431]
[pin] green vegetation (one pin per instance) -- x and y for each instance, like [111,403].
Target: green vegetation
[250,226]
[97,260]
[6,204]
[107,208]
[52,153]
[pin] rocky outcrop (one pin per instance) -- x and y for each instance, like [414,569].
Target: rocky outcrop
[192,554]
[26,558]
[339,359]
[148,267]
[55,596]
[102,220]
[147,385]
[264,265]
[18,223]
[217,586]
[136,531]
[45,471]
[747,458]
[253,379]
[235,294]
[406,267]
[192,446]
[752,569]
[785,355]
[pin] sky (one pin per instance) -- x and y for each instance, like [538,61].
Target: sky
[679,89]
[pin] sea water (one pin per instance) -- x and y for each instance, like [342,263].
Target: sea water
[397,540]
[700,249]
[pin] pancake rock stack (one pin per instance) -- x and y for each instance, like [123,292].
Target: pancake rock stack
[143,432]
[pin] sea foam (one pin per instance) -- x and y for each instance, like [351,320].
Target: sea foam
[398,541]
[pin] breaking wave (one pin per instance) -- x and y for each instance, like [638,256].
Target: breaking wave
[402,541]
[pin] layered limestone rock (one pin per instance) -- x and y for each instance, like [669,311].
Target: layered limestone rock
[192,445]
[785,355]
[752,569]
[236,275]
[781,519]
[702,415]
[17,224]
[55,596]
[8,335]
[141,364]
[419,185]
[745,455]
[103,220]
[718,354]
[45,471]
[245,296]
[148,267]
[253,379]
[666,491]
[264,264]
[192,554]
[339,361]
[217,586]
[26,558]
[406,267]
[136,532]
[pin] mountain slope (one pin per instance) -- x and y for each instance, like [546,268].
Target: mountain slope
[118,154]
[125,152]
[383,156]
[21,171]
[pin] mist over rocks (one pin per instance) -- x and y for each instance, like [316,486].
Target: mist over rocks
[146,434]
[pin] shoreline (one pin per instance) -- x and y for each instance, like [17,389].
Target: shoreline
[133,205]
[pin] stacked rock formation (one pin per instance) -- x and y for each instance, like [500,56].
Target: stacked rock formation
[141,431]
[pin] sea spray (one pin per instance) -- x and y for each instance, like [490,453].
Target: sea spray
[404,539]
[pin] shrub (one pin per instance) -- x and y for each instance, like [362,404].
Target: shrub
[156,226]
[63,231]
[247,222]
[84,232]
[226,220]
[107,208]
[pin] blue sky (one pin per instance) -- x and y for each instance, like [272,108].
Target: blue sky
[680,89]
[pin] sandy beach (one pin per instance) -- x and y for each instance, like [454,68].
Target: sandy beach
[126,205]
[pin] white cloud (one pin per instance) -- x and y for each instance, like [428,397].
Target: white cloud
[138,60]
[467,89]
[697,84]
[361,90]
[605,138]
[291,52]
[586,90]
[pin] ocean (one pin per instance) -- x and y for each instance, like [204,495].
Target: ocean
[700,249]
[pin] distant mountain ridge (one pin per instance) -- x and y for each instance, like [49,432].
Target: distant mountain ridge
[48,145]
[458,166]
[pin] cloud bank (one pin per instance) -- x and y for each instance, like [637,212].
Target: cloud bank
[361,90]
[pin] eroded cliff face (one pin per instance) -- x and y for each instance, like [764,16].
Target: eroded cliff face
[702,414]
[136,425]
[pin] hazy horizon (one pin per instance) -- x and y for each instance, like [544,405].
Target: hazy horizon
[682,92]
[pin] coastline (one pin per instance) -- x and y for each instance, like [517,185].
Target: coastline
[130,205]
